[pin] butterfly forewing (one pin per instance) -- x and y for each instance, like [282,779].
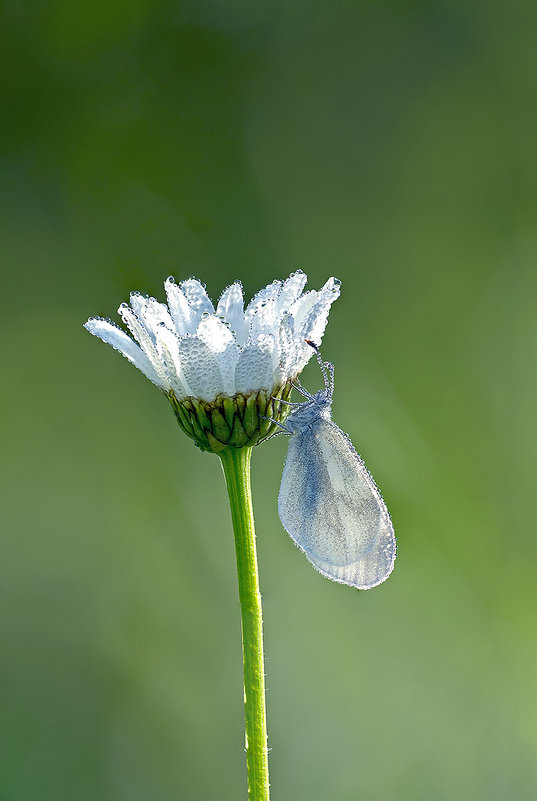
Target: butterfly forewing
[332,509]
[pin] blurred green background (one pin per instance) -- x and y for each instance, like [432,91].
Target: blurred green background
[391,144]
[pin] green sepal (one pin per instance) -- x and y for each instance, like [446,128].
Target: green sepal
[267,424]
[238,434]
[220,428]
[262,401]
[240,402]
[216,445]
[199,433]
[251,415]
[229,410]
[184,420]
[202,414]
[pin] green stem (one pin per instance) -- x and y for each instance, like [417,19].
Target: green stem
[236,465]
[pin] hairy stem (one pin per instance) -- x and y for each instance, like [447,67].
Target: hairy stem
[236,465]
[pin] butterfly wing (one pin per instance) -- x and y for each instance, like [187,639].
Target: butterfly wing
[332,509]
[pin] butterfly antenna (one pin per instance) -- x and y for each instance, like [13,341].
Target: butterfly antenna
[330,369]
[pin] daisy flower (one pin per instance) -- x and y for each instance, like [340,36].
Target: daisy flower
[222,368]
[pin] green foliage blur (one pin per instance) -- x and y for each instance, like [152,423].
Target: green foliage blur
[391,144]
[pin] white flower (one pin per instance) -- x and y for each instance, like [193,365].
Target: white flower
[194,350]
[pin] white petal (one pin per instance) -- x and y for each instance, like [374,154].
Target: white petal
[301,308]
[199,368]
[181,313]
[151,313]
[155,314]
[294,351]
[314,325]
[144,339]
[168,349]
[291,290]
[138,302]
[315,322]
[119,340]
[257,364]
[197,297]
[231,306]
[286,345]
[136,328]
[269,292]
[219,338]
[332,289]
[302,355]
[215,333]
[265,320]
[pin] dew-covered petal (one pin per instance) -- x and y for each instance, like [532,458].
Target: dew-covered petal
[265,320]
[231,306]
[151,313]
[155,314]
[144,339]
[119,340]
[286,344]
[302,355]
[269,292]
[180,310]
[168,350]
[136,328]
[215,333]
[331,290]
[257,364]
[138,301]
[301,308]
[291,290]
[197,297]
[315,321]
[220,340]
[314,324]
[199,368]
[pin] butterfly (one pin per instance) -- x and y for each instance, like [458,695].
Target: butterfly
[328,502]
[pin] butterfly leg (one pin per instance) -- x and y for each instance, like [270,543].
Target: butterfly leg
[287,403]
[281,426]
[303,391]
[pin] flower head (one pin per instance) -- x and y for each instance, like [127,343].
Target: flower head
[202,357]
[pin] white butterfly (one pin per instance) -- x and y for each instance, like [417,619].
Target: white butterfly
[329,503]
